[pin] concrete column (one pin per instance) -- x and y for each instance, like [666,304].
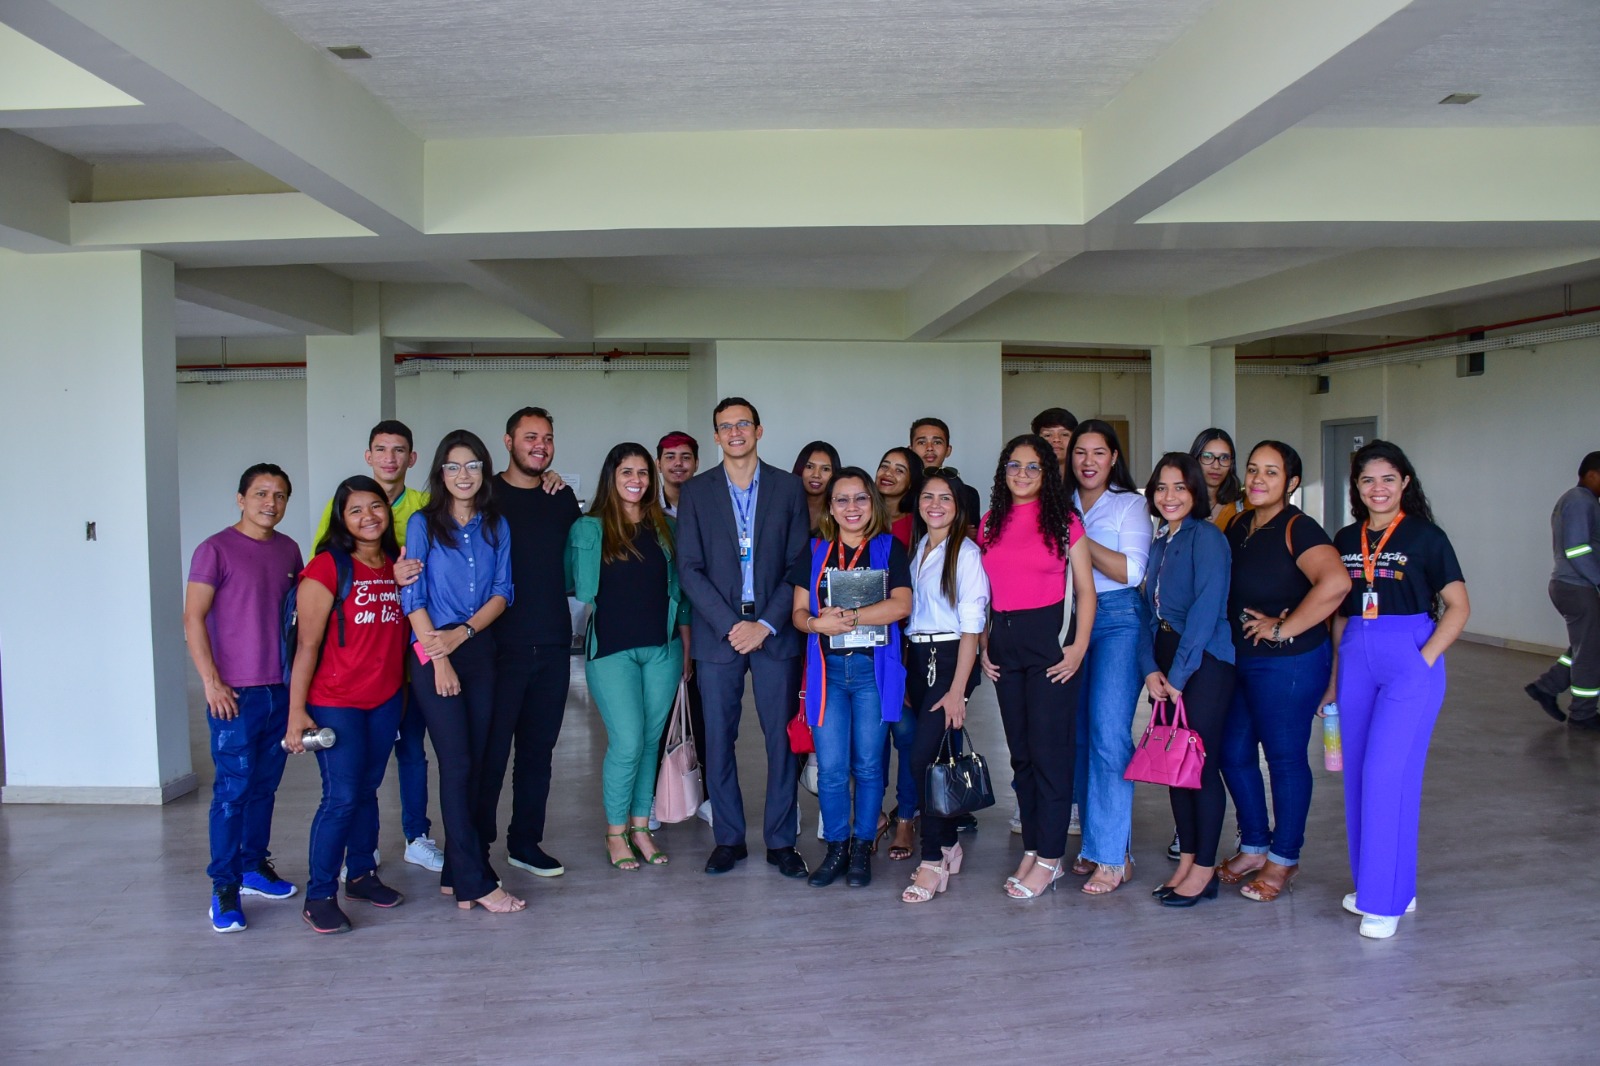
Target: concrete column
[1180,397]
[1224,390]
[349,389]
[91,619]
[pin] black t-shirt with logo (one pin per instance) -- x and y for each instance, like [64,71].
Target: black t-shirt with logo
[1415,564]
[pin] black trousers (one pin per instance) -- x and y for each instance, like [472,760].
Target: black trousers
[777,689]
[530,702]
[1198,812]
[1580,610]
[937,833]
[1041,721]
[460,727]
[697,722]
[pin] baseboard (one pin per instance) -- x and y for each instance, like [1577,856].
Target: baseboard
[1511,644]
[130,795]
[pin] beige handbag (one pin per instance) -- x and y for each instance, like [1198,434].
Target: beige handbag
[679,788]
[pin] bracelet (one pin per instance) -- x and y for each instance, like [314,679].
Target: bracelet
[1277,631]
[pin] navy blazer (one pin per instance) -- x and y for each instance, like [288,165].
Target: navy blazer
[708,560]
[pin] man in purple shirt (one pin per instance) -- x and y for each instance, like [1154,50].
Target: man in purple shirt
[231,612]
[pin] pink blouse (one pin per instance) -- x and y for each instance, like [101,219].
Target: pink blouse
[1023,572]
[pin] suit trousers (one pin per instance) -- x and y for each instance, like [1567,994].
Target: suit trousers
[777,688]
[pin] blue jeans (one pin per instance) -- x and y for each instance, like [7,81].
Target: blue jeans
[1106,703]
[903,736]
[411,768]
[344,830]
[249,766]
[1274,703]
[849,743]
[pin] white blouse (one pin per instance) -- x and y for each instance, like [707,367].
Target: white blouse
[1120,521]
[931,612]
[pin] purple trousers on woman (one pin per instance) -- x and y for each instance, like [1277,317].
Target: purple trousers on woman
[1389,698]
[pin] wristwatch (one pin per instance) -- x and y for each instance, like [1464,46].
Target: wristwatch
[470,631]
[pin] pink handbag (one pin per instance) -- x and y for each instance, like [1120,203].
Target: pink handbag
[1169,753]
[679,788]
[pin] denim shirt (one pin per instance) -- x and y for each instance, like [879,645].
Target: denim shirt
[1190,571]
[458,580]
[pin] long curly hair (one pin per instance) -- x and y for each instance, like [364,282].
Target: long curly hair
[1055,501]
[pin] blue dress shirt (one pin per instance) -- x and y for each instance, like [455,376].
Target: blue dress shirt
[456,581]
[1186,583]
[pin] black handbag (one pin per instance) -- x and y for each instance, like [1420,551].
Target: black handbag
[957,784]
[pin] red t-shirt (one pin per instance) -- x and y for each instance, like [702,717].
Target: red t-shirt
[370,667]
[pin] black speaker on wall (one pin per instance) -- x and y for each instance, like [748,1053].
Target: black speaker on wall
[1322,385]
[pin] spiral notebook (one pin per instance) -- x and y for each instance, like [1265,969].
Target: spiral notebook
[858,588]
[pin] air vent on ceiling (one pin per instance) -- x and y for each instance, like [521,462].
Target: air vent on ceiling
[1460,98]
[350,51]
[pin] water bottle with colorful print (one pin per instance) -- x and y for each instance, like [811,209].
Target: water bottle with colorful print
[1332,748]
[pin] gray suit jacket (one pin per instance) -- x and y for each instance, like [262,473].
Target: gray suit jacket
[708,560]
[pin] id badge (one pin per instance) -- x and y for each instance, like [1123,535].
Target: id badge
[1369,604]
[745,544]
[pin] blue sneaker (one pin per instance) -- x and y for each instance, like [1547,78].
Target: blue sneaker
[264,881]
[227,916]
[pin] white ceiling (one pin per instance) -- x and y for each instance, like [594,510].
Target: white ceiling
[1172,273]
[194,320]
[163,142]
[862,272]
[1536,62]
[507,68]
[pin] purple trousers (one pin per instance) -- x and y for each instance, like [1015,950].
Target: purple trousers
[1389,699]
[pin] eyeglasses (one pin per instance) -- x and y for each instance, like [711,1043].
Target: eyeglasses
[1215,459]
[744,425]
[1016,469]
[860,500]
[452,469]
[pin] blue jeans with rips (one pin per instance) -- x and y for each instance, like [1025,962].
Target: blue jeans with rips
[249,762]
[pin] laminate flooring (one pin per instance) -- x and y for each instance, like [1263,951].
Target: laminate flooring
[108,957]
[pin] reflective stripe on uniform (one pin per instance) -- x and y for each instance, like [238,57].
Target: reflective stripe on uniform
[1582,549]
[1564,660]
[1585,693]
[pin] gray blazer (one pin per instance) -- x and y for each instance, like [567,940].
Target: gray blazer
[708,560]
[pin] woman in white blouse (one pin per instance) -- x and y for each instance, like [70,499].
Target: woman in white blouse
[1119,533]
[949,605]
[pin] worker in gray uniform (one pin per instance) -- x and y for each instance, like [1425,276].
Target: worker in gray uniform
[1575,591]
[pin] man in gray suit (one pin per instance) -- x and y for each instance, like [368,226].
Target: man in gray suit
[741,526]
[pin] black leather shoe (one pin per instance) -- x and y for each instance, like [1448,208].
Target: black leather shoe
[1590,724]
[1161,891]
[1178,899]
[860,873]
[723,856]
[832,866]
[1545,701]
[788,862]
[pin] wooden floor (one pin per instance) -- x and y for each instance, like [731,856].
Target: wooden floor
[106,955]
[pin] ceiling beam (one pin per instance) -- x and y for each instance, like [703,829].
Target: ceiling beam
[267,217]
[1079,320]
[640,312]
[302,299]
[238,77]
[37,187]
[450,312]
[1364,285]
[546,291]
[955,289]
[1248,71]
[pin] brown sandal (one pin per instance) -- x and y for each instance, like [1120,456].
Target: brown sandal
[1228,876]
[897,850]
[1263,891]
[1082,866]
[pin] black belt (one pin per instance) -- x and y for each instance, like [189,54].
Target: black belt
[747,609]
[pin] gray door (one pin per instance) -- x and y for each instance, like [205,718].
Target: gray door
[1339,441]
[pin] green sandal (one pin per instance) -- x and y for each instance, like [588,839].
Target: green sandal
[659,858]
[629,861]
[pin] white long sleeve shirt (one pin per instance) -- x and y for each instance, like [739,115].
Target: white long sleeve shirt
[931,612]
[1119,521]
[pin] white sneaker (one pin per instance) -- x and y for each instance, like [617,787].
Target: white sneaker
[376,858]
[1016,820]
[425,853]
[703,812]
[808,777]
[654,823]
[1350,905]
[1075,825]
[1378,927]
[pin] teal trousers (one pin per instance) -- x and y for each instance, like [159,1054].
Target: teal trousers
[633,690]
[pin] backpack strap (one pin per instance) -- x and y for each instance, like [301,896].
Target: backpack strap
[344,570]
[1288,527]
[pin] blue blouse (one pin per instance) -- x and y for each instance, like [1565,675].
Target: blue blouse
[457,580]
[1186,583]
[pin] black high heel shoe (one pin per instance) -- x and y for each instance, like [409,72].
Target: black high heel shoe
[1178,899]
[1161,891]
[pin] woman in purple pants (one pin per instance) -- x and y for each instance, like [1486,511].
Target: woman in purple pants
[1389,674]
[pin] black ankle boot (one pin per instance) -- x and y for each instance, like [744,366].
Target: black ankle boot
[832,864]
[860,872]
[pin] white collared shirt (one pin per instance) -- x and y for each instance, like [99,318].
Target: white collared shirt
[931,612]
[1119,521]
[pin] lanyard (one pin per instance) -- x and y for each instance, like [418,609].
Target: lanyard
[1369,563]
[742,505]
[1165,553]
[851,565]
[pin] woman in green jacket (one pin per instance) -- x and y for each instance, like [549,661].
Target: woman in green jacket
[620,560]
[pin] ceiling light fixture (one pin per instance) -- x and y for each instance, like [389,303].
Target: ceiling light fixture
[350,51]
[1460,98]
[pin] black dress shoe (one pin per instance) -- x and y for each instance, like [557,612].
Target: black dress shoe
[1545,701]
[1178,899]
[1590,724]
[860,873]
[832,866]
[723,856]
[788,862]
[1161,891]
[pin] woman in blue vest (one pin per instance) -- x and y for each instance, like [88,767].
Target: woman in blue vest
[853,690]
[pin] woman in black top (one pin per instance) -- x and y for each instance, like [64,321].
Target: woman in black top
[1287,580]
[814,466]
[1390,673]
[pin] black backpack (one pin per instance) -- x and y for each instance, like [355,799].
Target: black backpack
[289,618]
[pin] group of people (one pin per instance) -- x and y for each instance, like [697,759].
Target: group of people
[1072,591]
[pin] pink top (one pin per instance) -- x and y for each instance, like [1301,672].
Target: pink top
[1023,572]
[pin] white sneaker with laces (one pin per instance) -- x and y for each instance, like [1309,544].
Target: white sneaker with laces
[425,853]
[1378,927]
[704,812]
[1350,905]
